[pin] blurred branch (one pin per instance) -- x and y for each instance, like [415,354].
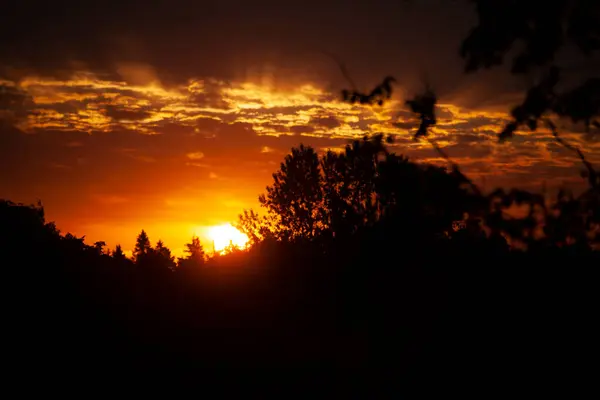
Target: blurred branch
[592,175]
[343,70]
[455,166]
[422,105]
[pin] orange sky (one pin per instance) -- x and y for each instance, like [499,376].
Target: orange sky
[110,157]
[172,117]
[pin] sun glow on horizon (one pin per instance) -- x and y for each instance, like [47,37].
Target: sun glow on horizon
[225,235]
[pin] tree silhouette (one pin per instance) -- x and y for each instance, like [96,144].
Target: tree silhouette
[256,227]
[419,266]
[99,246]
[142,246]
[195,250]
[118,253]
[295,196]
[349,185]
[195,256]
[164,259]
[356,189]
[231,249]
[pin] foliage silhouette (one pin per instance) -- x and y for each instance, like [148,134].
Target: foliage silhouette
[366,186]
[543,30]
[296,197]
[257,228]
[383,265]
[195,258]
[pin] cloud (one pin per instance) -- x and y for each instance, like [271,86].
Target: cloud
[329,122]
[136,154]
[198,165]
[138,74]
[14,102]
[197,155]
[130,139]
[119,114]
[300,129]
[124,129]
[209,107]
[206,95]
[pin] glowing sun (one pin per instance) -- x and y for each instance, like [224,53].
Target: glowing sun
[226,235]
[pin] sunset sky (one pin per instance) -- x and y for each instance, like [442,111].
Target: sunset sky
[172,117]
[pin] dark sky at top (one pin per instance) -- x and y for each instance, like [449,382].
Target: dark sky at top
[409,39]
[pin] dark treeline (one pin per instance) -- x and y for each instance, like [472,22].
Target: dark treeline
[364,260]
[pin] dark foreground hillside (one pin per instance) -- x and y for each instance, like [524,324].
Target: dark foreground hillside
[371,309]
